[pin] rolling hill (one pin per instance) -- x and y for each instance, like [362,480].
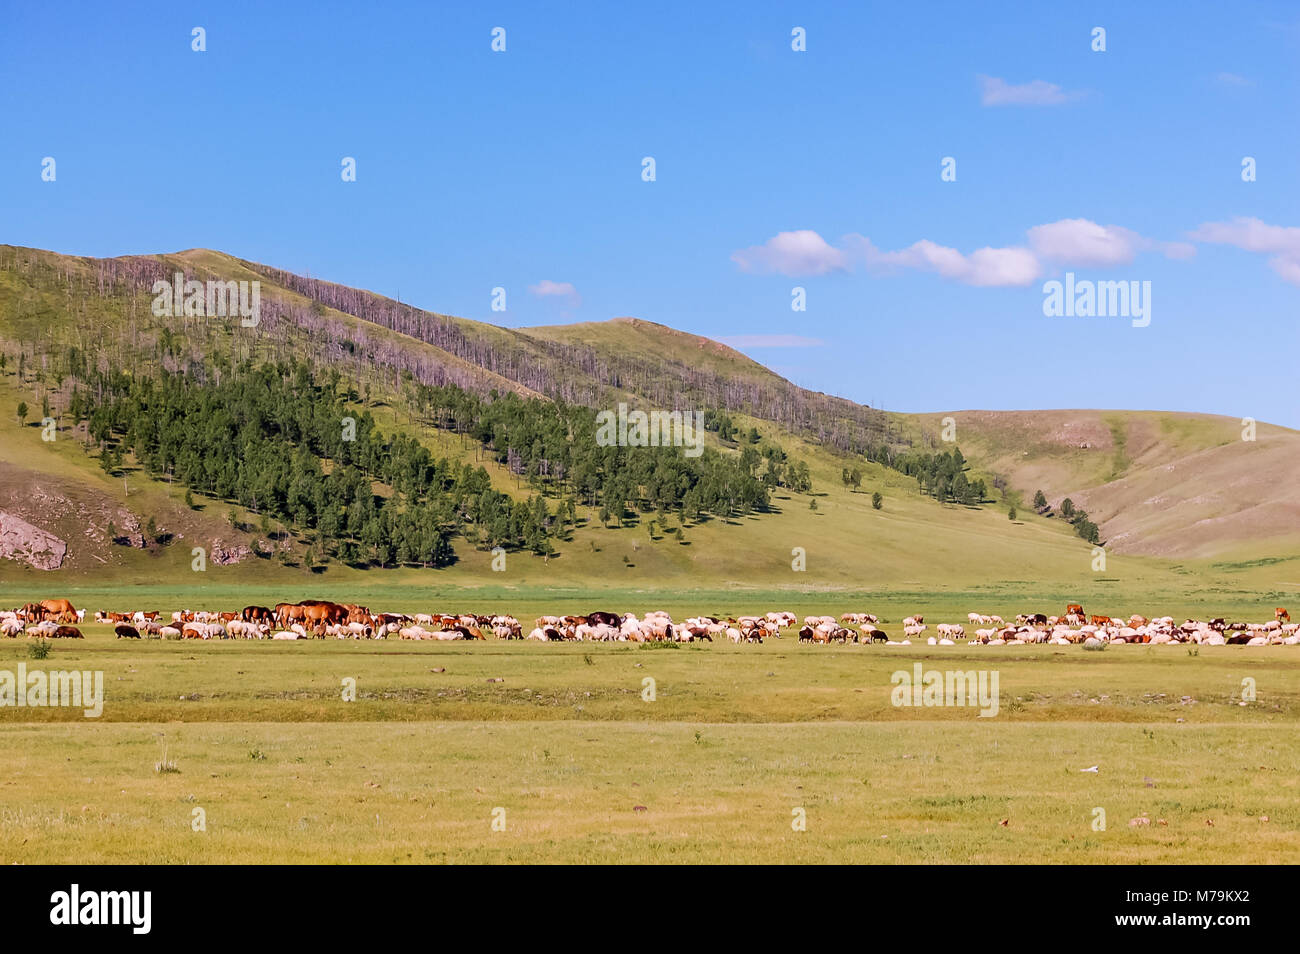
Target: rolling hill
[1158,483]
[1165,488]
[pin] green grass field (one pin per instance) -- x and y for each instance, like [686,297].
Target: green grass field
[570,759]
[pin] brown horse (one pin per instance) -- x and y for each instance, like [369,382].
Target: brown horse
[311,613]
[257,614]
[357,614]
[61,611]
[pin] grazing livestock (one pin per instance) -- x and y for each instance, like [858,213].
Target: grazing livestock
[246,629]
[310,613]
[321,619]
[203,631]
[58,610]
[257,614]
[859,618]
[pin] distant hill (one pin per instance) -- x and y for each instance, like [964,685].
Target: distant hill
[1158,483]
[1162,485]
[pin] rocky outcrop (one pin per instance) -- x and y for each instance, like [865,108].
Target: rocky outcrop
[20,540]
[224,556]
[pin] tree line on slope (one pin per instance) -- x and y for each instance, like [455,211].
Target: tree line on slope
[277,441]
[1084,527]
[579,374]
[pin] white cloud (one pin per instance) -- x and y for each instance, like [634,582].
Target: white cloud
[1288,268]
[984,267]
[549,289]
[998,92]
[791,253]
[1079,242]
[770,341]
[1084,242]
[1253,235]
[1232,79]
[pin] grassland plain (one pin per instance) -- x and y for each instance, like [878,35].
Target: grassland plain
[735,741]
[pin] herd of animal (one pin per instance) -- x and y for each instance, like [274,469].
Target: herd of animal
[58,618]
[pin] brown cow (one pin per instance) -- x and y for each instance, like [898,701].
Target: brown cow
[126,631]
[1282,615]
[68,632]
[1074,608]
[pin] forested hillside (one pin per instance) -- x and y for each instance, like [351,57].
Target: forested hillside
[299,453]
[467,437]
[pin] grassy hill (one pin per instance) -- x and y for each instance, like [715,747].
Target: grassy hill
[1172,492]
[1158,483]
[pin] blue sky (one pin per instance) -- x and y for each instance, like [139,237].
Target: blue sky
[774,169]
